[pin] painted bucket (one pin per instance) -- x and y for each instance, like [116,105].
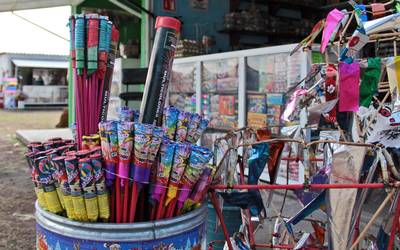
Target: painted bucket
[183,232]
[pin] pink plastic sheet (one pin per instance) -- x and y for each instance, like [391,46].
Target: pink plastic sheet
[349,87]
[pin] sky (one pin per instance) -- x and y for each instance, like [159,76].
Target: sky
[20,36]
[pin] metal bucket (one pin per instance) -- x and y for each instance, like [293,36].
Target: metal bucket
[183,232]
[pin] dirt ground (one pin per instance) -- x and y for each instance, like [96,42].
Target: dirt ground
[17,223]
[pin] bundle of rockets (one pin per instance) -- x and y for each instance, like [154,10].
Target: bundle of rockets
[128,172]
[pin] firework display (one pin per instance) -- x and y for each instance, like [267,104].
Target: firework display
[101,184]
[93,45]
[78,175]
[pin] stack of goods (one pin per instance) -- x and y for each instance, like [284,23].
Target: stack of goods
[251,20]
[93,46]
[219,87]
[182,92]
[385,49]
[221,110]
[186,102]
[188,47]
[161,168]
[264,111]
[69,182]
[289,26]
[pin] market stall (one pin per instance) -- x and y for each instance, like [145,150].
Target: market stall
[133,183]
[42,79]
[341,129]
[228,126]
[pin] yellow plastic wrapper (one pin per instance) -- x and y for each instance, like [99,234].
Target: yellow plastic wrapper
[104,207]
[101,191]
[40,197]
[79,208]
[87,181]
[92,209]
[52,202]
[60,173]
[60,196]
[71,167]
[69,205]
[46,179]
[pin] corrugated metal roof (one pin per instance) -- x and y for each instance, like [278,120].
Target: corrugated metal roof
[10,5]
[47,64]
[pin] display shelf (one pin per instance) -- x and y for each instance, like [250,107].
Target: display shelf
[285,3]
[183,92]
[261,33]
[216,129]
[220,92]
[340,5]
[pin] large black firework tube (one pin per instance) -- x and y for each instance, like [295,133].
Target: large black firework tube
[158,75]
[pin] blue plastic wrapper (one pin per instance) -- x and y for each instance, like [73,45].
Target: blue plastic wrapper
[111,130]
[182,126]
[126,114]
[167,151]
[143,135]
[169,121]
[193,126]
[200,130]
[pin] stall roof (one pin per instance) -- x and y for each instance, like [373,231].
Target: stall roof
[40,64]
[10,5]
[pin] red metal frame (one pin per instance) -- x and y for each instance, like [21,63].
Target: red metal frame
[241,186]
[214,200]
[301,186]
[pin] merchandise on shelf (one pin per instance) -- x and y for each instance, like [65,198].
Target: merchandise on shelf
[186,47]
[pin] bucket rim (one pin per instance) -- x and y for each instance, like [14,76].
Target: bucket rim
[123,232]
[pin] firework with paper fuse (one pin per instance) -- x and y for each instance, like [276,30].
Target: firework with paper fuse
[93,44]
[79,176]
[90,180]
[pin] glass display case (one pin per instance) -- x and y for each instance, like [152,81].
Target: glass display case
[268,77]
[219,93]
[239,88]
[232,89]
[182,88]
